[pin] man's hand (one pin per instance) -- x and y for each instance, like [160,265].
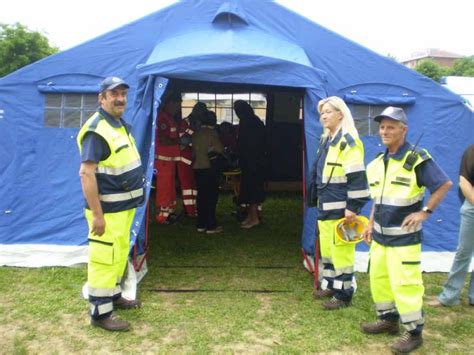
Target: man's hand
[367,233]
[349,215]
[411,222]
[98,225]
[90,190]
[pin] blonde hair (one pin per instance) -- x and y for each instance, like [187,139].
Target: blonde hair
[347,122]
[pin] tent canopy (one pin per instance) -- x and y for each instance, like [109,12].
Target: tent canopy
[235,41]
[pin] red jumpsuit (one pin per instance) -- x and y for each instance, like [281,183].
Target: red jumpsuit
[185,170]
[166,159]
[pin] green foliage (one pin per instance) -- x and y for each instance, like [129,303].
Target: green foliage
[20,46]
[392,57]
[463,67]
[432,70]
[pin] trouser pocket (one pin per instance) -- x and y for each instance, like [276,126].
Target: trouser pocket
[101,252]
[410,273]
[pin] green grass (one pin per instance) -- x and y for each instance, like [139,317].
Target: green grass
[250,295]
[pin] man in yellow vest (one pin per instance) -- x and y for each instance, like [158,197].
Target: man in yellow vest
[397,180]
[112,182]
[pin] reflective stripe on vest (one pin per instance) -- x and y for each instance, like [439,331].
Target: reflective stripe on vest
[327,206]
[124,196]
[119,171]
[394,230]
[396,195]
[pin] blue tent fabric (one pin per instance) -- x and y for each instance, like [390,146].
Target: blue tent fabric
[235,41]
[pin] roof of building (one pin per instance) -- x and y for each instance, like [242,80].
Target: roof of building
[432,53]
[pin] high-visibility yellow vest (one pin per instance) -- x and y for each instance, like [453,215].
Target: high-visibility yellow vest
[396,194]
[119,177]
[343,183]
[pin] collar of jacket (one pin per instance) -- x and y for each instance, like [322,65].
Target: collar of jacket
[337,138]
[401,152]
[112,121]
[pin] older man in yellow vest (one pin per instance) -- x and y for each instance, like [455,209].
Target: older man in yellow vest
[112,183]
[397,180]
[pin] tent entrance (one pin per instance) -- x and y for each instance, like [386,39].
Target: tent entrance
[281,109]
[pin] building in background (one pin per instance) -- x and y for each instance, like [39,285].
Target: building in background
[438,56]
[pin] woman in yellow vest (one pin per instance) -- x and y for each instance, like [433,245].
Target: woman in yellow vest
[342,190]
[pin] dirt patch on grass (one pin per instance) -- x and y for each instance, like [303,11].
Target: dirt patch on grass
[255,344]
[174,336]
[265,302]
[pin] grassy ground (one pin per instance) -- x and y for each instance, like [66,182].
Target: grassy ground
[243,291]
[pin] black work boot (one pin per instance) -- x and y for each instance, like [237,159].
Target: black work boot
[123,303]
[318,294]
[111,323]
[381,326]
[407,343]
[335,303]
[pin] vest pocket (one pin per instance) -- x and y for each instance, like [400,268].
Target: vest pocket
[121,147]
[400,183]
[101,252]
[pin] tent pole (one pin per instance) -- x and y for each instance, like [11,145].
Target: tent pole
[138,266]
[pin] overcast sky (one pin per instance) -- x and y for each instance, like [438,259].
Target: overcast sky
[398,27]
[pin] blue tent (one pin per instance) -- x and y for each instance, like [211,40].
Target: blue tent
[239,42]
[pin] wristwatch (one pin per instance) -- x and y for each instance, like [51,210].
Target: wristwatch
[427,210]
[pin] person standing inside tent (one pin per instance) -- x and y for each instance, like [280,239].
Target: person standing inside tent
[167,155]
[112,182]
[342,191]
[251,152]
[184,165]
[205,141]
[397,179]
[451,293]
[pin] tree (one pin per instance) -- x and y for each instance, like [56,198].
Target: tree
[431,69]
[20,46]
[392,57]
[463,67]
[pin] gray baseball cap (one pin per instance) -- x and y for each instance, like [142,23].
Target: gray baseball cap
[111,83]
[394,113]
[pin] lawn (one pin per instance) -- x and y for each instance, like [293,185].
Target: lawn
[242,291]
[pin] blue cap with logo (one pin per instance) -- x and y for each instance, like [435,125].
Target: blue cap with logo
[111,83]
[394,113]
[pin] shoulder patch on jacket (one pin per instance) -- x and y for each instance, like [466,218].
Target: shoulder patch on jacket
[350,140]
[423,154]
[95,121]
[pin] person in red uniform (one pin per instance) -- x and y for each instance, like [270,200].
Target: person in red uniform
[167,155]
[185,169]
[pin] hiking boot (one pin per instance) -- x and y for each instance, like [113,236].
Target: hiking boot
[381,326]
[407,343]
[334,303]
[111,323]
[318,294]
[123,303]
